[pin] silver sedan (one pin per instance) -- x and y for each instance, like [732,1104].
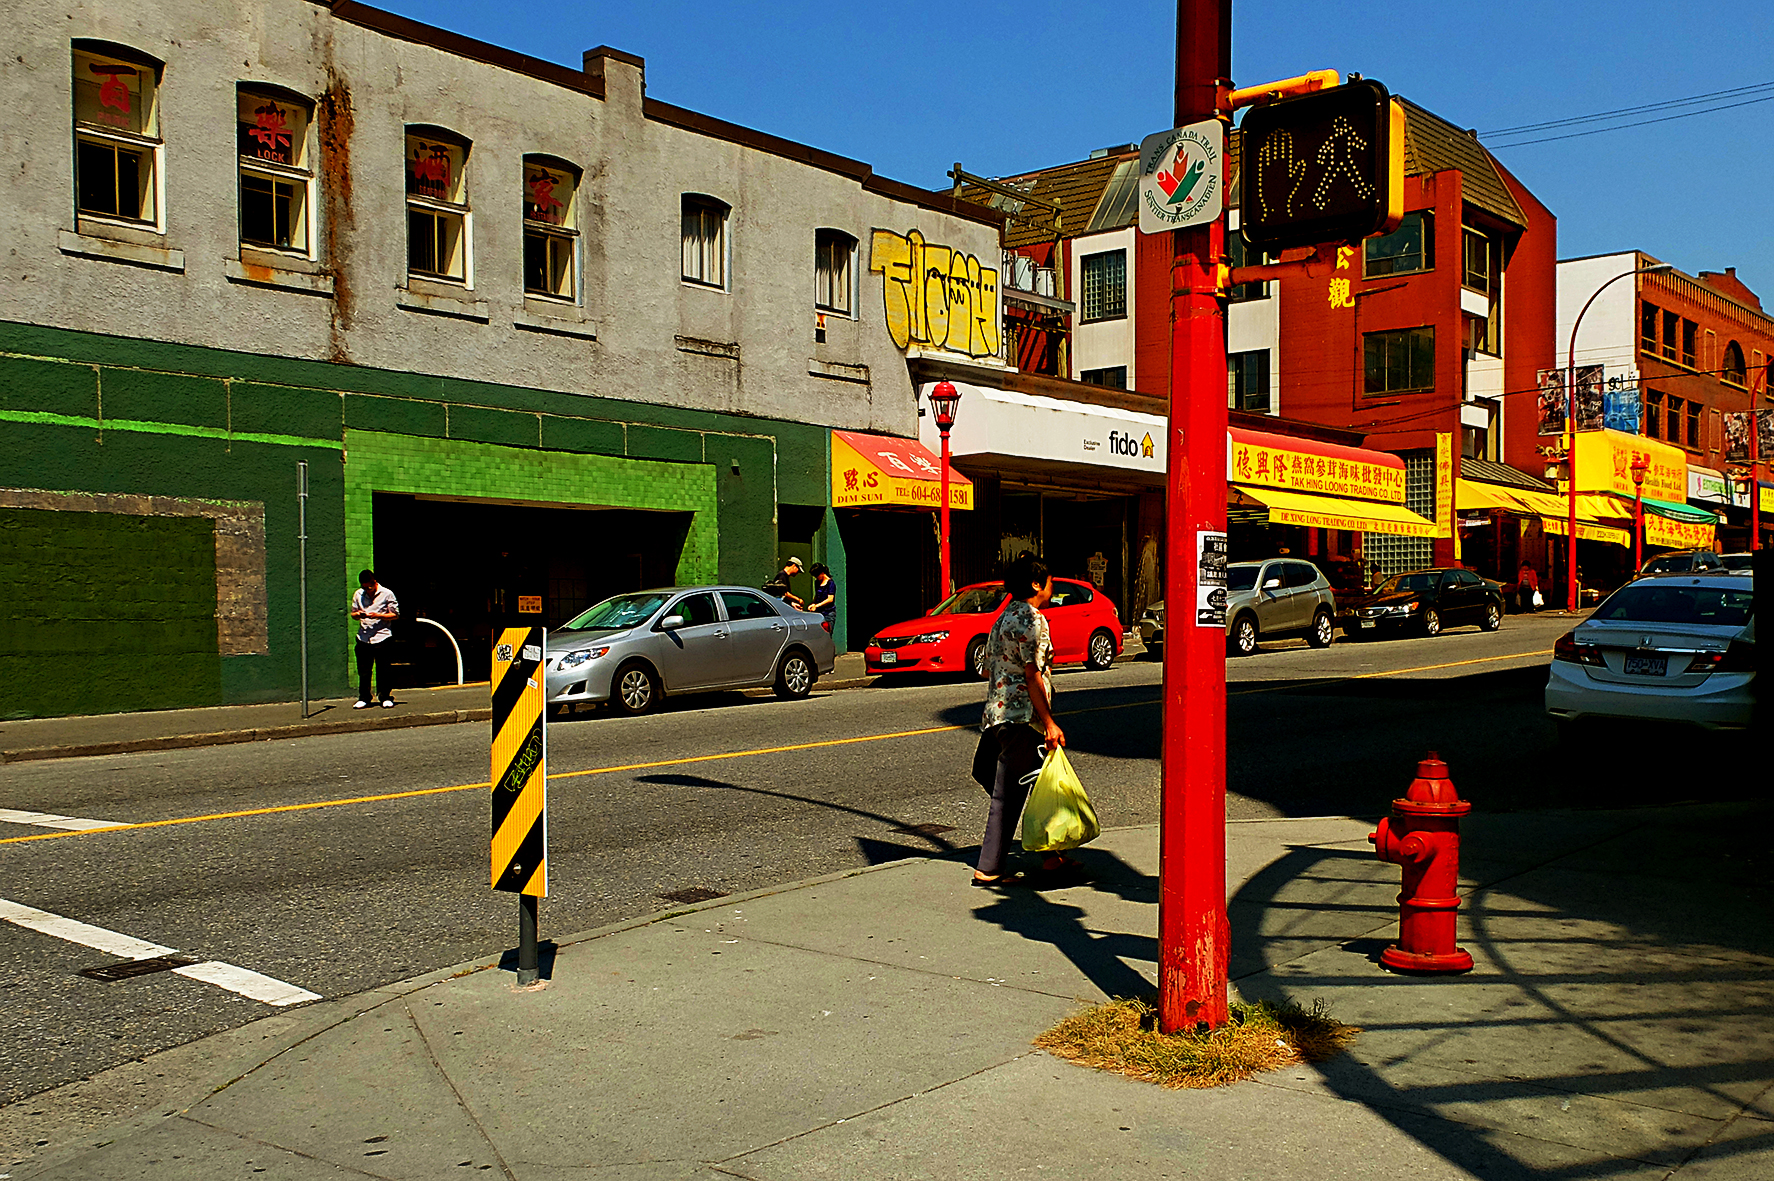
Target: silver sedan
[636,649]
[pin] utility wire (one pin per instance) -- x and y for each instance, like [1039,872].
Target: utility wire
[1623,111]
[1641,123]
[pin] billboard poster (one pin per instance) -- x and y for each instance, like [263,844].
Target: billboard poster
[1621,405]
[1737,436]
[1589,397]
[1552,401]
[1764,433]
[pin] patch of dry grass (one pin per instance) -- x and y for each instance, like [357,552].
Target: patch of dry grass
[1122,1036]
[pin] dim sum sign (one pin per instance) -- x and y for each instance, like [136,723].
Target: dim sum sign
[936,296]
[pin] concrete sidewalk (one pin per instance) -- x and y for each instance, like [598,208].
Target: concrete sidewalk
[876,1024]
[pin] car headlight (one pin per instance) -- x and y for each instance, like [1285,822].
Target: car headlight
[1412,606]
[575,659]
[930,638]
[874,642]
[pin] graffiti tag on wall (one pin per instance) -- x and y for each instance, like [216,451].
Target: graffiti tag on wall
[936,296]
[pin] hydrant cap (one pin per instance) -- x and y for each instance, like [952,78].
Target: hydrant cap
[1433,787]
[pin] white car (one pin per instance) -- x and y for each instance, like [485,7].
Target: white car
[1672,647]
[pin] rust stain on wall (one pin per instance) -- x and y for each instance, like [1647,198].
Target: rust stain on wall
[337,121]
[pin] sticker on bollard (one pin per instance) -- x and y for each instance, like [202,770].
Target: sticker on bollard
[520,763]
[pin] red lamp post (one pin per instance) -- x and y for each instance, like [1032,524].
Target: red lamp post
[944,399]
[1641,463]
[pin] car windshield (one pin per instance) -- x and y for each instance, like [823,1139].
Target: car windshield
[1670,565]
[1240,578]
[1665,603]
[621,611]
[1422,580]
[979,600]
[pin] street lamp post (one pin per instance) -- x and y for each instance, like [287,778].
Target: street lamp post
[1571,429]
[1641,463]
[944,399]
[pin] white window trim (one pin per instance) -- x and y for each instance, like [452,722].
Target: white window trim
[283,172]
[726,283]
[432,205]
[850,278]
[157,147]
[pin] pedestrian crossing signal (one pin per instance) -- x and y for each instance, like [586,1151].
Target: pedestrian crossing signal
[1324,167]
[520,763]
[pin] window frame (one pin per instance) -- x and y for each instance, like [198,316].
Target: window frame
[1425,252]
[295,173]
[1238,395]
[1653,420]
[1101,315]
[702,206]
[564,234]
[1368,338]
[440,210]
[148,143]
[825,282]
[1651,312]
[1238,254]
[1696,409]
[1672,419]
[1100,377]
[1738,376]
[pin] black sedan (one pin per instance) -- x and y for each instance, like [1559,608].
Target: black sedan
[1424,603]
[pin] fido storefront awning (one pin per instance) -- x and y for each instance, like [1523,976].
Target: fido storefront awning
[1322,485]
[879,470]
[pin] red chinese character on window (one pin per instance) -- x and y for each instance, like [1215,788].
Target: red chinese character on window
[271,128]
[542,202]
[432,174]
[112,91]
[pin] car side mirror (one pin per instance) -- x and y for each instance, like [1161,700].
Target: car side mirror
[671,623]
[1272,584]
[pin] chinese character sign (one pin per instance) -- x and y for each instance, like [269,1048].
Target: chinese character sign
[873,470]
[270,130]
[936,296]
[1604,464]
[1444,484]
[1373,477]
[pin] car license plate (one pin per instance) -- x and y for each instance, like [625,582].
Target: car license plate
[1646,664]
[889,658]
[1366,623]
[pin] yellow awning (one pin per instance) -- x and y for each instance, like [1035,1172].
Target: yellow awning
[1474,494]
[1332,512]
[1599,518]
[1587,531]
[882,470]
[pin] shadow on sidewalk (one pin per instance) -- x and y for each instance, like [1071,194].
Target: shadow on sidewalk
[1105,958]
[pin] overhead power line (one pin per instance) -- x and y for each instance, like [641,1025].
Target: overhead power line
[1737,91]
[1640,123]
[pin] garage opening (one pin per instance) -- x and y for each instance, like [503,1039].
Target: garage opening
[476,566]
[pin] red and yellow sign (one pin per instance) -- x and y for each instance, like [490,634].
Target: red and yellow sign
[1444,484]
[1604,464]
[1662,531]
[1298,465]
[880,470]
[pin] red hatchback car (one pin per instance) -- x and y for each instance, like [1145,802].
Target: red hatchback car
[952,638]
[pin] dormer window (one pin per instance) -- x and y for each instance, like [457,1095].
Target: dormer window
[551,228]
[117,144]
[271,133]
[437,207]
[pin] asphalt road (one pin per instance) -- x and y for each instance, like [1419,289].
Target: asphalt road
[337,899]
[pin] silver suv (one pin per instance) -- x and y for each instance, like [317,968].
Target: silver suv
[1264,601]
[1276,598]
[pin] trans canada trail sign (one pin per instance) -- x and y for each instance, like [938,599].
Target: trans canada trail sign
[1182,176]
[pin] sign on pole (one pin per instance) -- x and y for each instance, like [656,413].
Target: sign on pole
[1324,167]
[520,763]
[1182,177]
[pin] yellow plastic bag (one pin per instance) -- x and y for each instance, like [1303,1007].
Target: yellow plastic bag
[1058,815]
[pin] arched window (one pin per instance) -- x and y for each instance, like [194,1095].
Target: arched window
[705,240]
[438,242]
[834,254]
[276,180]
[117,144]
[551,228]
[1735,371]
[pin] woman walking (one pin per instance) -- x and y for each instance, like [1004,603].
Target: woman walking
[1018,714]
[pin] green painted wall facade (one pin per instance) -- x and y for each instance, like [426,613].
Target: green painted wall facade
[83,413]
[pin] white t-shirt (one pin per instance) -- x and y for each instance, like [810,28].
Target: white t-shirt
[374,631]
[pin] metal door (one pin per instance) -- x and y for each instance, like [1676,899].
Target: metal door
[694,656]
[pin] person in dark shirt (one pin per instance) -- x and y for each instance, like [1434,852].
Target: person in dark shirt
[778,584]
[825,594]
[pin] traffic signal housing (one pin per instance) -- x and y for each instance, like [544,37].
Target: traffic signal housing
[1324,167]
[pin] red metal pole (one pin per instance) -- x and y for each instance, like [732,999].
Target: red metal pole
[1755,483]
[1571,466]
[947,590]
[1638,528]
[1192,930]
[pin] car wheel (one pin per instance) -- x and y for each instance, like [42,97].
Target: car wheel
[1322,630]
[1493,617]
[1244,636]
[795,677]
[1102,651]
[635,690]
[1431,622]
[976,657]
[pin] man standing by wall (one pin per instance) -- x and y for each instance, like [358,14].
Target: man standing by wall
[375,609]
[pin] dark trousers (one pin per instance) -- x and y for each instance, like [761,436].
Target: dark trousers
[1020,750]
[1525,599]
[376,655]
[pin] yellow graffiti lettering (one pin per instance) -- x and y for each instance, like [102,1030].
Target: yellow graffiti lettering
[985,313]
[891,256]
[937,260]
[936,295]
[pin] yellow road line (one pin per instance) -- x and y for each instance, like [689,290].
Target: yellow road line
[680,762]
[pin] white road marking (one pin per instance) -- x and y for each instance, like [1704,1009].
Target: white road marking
[51,820]
[247,983]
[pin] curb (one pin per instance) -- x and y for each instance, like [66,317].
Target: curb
[257,734]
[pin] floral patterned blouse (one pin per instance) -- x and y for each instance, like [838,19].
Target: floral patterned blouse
[1019,637]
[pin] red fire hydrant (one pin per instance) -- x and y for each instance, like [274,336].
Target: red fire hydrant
[1423,835]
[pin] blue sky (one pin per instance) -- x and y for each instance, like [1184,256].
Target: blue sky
[1005,87]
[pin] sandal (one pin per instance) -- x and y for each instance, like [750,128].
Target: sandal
[1003,879]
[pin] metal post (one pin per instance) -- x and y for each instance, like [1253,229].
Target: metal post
[947,590]
[1192,929]
[302,547]
[1571,469]
[1755,482]
[1638,527]
[526,939]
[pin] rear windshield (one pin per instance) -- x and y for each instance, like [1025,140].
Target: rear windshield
[981,600]
[1415,583]
[621,611]
[1662,603]
[1671,565]
[1241,577]
[1736,561]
